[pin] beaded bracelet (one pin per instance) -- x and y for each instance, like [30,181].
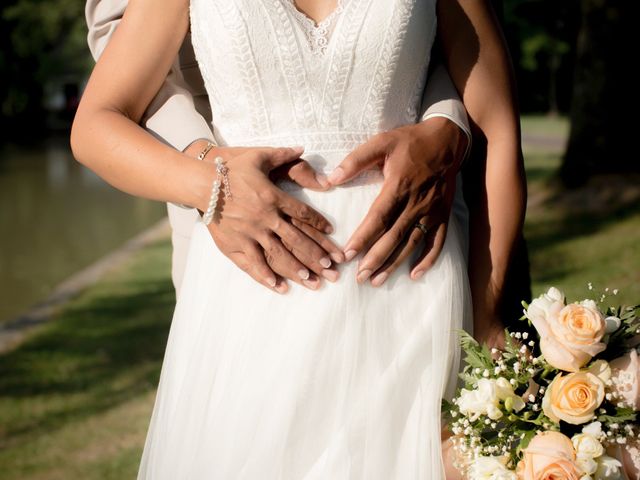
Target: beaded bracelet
[221,178]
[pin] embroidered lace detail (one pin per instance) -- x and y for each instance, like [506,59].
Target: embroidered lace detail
[266,87]
[292,67]
[415,104]
[317,33]
[341,66]
[312,141]
[387,59]
[246,61]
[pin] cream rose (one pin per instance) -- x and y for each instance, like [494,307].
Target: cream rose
[549,456]
[588,448]
[486,397]
[491,468]
[626,379]
[587,445]
[573,398]
[569,335]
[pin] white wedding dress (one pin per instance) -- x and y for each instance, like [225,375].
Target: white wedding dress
[345,382]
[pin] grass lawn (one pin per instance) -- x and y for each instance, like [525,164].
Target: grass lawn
[75,399]
[590,234]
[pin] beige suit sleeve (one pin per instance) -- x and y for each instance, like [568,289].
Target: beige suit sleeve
[441,99]
[172,116]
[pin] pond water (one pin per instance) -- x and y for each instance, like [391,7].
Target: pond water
[57,217]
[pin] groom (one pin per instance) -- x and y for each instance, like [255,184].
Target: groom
[180,116]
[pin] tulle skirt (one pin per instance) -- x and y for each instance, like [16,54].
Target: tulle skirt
[344,382]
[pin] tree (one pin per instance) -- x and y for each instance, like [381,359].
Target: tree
[601,117]
[541,36]
[39,41]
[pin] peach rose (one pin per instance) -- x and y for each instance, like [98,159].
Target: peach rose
[549,456]
[569,335]
[626,379]
[573,398]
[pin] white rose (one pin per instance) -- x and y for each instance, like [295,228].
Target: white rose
[587,465]
[594,429]
[587,445]
[608,469]
[491,468]
[545,305]
[486,397]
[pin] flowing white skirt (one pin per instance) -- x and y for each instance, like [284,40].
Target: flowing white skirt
[341,383]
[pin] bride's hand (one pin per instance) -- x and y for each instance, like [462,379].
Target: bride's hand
[298,170]
[419,163]
[265,231]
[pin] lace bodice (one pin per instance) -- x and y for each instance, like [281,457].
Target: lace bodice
[275,77]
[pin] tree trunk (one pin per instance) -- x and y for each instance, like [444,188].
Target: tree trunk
[602,97]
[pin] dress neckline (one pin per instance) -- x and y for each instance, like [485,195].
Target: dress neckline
[317,33]
[313,21]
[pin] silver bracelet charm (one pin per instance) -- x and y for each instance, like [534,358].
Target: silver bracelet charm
[222,178]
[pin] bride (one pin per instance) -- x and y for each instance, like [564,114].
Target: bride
[339,380]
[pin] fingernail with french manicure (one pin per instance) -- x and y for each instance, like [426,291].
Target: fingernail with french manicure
[312,284]
[271,281]
[363,275]
[336,175]
[379,279]
[337,257]
[322,180]
[325,262]
[331,275]
[349,254]
[418,274]
[303,273]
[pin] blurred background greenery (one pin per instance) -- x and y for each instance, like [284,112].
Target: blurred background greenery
[76,396]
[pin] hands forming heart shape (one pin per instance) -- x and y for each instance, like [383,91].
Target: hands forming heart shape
[273,236]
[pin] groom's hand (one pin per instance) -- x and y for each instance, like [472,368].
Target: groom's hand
[267,233]
[419,163]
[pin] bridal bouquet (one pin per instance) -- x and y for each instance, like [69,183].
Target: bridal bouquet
[558,404]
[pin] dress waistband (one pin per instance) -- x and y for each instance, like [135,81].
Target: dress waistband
[323,150]
[320,141]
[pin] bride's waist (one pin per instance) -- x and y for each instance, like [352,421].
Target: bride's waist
[315,141]
[323,150]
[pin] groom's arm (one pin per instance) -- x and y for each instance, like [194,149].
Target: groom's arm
[441,99]
[172,115]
